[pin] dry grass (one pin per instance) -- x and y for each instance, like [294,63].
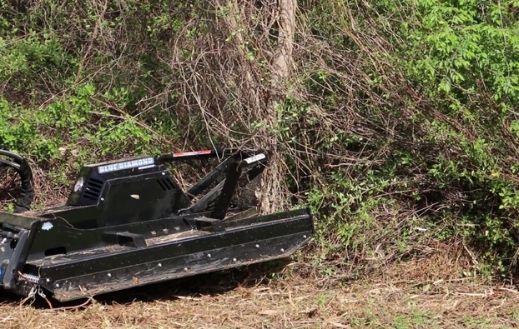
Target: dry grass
[421,293]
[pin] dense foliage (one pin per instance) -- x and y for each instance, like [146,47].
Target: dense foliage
[399,124]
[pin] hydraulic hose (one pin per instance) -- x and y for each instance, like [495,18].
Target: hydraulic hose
[24,201]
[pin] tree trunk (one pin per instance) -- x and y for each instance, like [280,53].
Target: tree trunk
[272,187]
[262,96]
[282,62]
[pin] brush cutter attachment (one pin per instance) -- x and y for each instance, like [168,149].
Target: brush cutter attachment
[128,223]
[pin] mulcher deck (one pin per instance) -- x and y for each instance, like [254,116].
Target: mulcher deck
[116,267]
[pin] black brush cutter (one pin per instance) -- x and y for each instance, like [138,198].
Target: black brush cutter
[128,223]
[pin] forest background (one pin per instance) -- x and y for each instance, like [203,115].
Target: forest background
[396,122]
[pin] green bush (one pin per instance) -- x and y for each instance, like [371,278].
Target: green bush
[450,151]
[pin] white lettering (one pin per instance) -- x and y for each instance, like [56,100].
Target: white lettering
[146,162]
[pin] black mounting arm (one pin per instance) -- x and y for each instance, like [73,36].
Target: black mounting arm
[226,177]
[251,167]
[24,201]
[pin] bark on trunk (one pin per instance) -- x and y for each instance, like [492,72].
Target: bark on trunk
[271,188]
[283,61]
[264,96]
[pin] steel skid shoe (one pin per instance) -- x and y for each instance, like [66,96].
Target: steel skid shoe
[128,223]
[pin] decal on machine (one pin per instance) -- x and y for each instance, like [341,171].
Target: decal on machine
[146,162]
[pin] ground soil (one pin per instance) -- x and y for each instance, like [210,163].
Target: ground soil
[437,291]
